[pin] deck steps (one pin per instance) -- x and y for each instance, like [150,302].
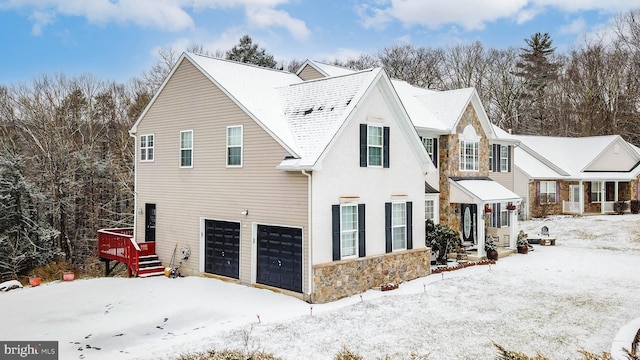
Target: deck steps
[150,266]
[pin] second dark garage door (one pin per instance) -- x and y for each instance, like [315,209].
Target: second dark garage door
[222,248]
[280,257]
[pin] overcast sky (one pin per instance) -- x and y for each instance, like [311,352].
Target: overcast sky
[118,39]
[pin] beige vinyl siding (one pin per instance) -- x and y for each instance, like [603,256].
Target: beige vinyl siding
[309,73]
[190,101]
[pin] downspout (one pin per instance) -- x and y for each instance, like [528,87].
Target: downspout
[135,184]
[309,224]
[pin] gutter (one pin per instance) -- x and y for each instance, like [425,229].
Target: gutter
[309,224]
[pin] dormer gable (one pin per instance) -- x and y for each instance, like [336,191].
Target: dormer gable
[618,156]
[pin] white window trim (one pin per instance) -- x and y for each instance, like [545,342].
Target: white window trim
[394,226]
[354,231]
[463,154]
[505,219]
[597,193]
[181,149]
[428,149]
[381,146]
[241,146]
[504,149]
[145,149]
[547,192]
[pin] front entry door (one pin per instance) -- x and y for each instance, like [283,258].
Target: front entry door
[469,212]
[574,201]
[149,222]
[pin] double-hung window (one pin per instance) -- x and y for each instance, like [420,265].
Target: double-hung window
[146,147]
[547,192]
[429,209]
[504,158]
[374,145]
[186,148]
[234,146]
[348,230]
[596,192]
[399,226]
[469,155]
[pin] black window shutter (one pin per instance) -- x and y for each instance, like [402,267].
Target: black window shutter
[363,145]
[499,215]
[361,235]
[409,211]
[435,152]
[509,158]
[588,192]
[385,147]
[335,223]
[387,226]
[557,192]
[496,158]
[494,216]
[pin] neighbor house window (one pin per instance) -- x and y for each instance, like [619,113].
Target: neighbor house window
[491,157]
[374,145]
[234,146]
[431,146]
[469,155]
[186,148]
[596,192]
[504,158]
[547,192]
[348,230]
[429,210]
[146,147]
[399,226]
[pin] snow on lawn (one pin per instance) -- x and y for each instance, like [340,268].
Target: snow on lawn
[556,300]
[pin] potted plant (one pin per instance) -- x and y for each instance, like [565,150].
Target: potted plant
[491,248]
[511,207]
[487,209]
[34,280]
[522,243]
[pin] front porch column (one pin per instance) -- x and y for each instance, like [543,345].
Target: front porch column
[616,191]
[581,197]
[480,230]
[603,196]
[513,230]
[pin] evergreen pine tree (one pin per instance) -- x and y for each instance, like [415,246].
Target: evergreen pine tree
[248,52]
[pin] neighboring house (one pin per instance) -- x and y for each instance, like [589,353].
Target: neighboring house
[312,187]
[457,134]
[582,175]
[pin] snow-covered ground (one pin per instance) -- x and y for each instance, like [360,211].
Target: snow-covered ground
[556,300]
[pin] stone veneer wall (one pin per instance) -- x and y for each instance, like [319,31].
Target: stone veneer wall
[449,153]
[343,278]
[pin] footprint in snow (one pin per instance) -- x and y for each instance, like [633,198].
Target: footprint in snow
[88,336]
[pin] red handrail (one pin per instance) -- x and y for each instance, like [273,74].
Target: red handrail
[119,245]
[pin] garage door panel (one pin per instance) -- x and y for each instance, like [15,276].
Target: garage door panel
[222,248]
[280,257]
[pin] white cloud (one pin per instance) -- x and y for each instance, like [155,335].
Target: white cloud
[168,15]
[473,15]
[265,17]
[577,26]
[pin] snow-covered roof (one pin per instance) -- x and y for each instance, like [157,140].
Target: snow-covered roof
[329,70]
[315,110]
[253,88]
[481,190]
[565,157]
[446,106]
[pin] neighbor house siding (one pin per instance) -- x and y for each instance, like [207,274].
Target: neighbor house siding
[309,73]
[190,101]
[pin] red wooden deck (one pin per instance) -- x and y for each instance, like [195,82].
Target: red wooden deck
[119,245]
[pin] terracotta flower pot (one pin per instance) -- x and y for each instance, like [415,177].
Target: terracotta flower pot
[35,281]
[492,255]
[523,249]
[68,276]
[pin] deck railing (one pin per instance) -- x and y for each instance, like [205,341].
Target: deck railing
[608,207]
[119,245]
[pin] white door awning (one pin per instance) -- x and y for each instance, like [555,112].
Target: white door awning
[480,191]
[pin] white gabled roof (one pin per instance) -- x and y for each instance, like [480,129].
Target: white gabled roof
[252,88]
[315,110]
[548,157]
[480,190]
[326,69]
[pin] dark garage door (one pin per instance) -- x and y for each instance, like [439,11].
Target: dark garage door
[280,257]
[222,248]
